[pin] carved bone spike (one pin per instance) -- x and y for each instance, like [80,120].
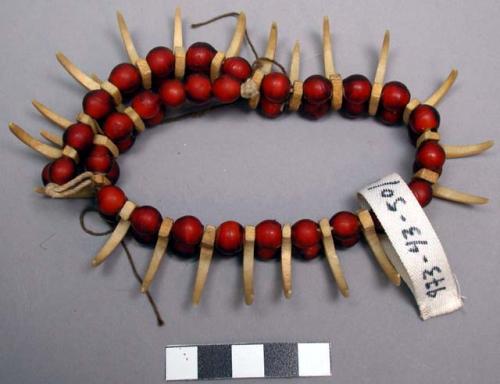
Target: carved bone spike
[30,141]
[458,151]
[327,49]
[238,36]
[51,137]
[51,115]
[286,260]
[179,51]
[456,196]
[248,262]
[297,87]
[77,73]
[378,83]
[206,254]
[127,38]
[443,89]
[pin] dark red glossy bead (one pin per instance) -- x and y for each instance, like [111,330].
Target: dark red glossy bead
[229,238]
[345,228]
[114,173]
[314,111]
[199,57]
[275,87]
[198,87]
[99,159]
[161,60]
[110,200]
[389,117]
[422,190]
[125,144]
[157,119]
[270,109]
[226,89]
[352,111]
[46,174]
[126,77]
[268,237]
[306,238]
[430,155]
[145,222]
[236,67]
[187,232]
[62,170]
[118,126]
[317,89]
[394,96]
[357,89]
[424,117]
[97,104]
[79,136]
[146,104]
[172,93]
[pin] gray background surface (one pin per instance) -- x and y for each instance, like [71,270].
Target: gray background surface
[62,321]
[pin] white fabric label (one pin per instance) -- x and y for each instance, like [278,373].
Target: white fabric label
[413,246]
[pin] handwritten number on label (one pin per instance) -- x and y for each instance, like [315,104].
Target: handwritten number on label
[433,293]
[392,207]
[414,248]
[430,272]
[387,192]
[410,231]
[395,182]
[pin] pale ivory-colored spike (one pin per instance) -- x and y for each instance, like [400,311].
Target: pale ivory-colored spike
[117,236]
[30,141]
[77,73]
[179,51]
[426,136]
[248,262]
[86,119]
[113,91]
[96,78]
[449,194]
[330,72]
[82,186]
[332,258]
[414,103]
[368,229]
[443,89]
[378,82]
[141,64]
[265,65]
[286,260]
[233,49]
[51,115]
[136,119]
[206,253]
[52,137]
[158,253]
[105,141]
[458,151]
[427,175]
[296,97]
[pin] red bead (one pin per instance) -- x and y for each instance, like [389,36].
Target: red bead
[114,173]
[187,232]
[229,238]
[270,109]
[424,117]
[125,144]
[126,77]
[430,155]
[62,170]
[172,93]
[352,111]
[268,239]
[99,159]
[345,228]
[389,117]
[314,111]
[79,136]
[317,89]
[118,126]
[236,67]
[226,89]
[357,89]
[198,87]
[275,87]
[199,57]
[422,190]
[97,104]
[306,238]
[394,96]
[46,174]
[161,60]
[146,104]
[110,200]
[145,222]
[157,119]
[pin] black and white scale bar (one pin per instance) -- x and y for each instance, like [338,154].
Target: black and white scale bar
[231,361]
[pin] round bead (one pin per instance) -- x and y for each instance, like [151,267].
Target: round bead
[314,111]
[229,238]
[62,170]
[114,173]
[157,119]
[187,232]
[317,89]
[118,126]
[422,190]
[424,117]
[145,222]
[345,228]
[430,155]
[226,89]
[110,200]
[126,77]
[275,87]
[389,117]
[146,104]
[268,238]
[199,57]
[352,111]
[97,104]
[198,87]
[46,174]
[306,238]
[79,136]
[99,159]
[125,144]
[161,60]
[394,96]
[270,109]
[172,93]
[357,89]
[237,67]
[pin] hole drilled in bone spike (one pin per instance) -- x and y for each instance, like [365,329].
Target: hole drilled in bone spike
[378,82]
[30,141]
[443,89]
[286,260]
[51,115]
[248,262]
[458,151]
[206,254]
[449,194]
[77,73]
